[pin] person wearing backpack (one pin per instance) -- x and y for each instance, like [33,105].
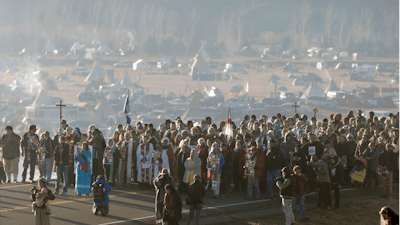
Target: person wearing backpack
[100,189]
[197,191]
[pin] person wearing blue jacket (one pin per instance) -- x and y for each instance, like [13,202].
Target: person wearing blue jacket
[102,206]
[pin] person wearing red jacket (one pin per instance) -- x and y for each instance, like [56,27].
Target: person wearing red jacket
[300,186]
[237,169]
[261,152]
[253,172]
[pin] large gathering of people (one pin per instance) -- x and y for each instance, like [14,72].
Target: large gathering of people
[277,157]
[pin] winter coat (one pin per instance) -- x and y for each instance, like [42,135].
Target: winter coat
[318,149]
[336,173]
[300,185]
[11,146]
[322,172]
[274,159]
[195,167]
[237,163]
[373,161]
[62,154]
[287,147]
[388,159]
[300,159]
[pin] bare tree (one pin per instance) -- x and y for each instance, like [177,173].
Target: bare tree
[330,18]
[304,18]
[343,20]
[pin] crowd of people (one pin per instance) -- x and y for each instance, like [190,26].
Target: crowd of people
[281,157]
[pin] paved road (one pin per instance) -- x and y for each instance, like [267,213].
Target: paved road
[134,206]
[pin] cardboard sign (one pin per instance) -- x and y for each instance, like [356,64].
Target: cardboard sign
[109,157]
[250,167]
[311,150]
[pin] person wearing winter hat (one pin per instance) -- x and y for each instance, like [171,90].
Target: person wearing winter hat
[285,184]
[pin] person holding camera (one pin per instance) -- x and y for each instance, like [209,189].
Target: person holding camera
[197,191]
[285,184]
[160,182]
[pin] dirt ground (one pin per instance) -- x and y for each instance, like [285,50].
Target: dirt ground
[156,82]
[360,212]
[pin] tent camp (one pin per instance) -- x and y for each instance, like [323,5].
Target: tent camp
[313,89]
[42,99]
[332,87]
[203,54]
[292,76]
[273,79]
[141,65]
[103,110]
[97,73]
[298,82]
[76,46]
[200,66]
[49,47]
[193,112]
[126,81]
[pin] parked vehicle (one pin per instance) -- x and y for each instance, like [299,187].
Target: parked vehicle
[363,73]
[319,101]
[290,68]
[123,64]
[80,71]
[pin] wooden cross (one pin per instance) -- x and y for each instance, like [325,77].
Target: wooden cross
[60,105]
[315,110]
[295,107]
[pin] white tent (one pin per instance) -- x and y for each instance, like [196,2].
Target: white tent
[141,65]
[49,47]
[126,81]
[96,43]
[75,46]
[332,87]
[298,82]
[103,110]
[97,73]
[313,90]
[193,111]
[42,99]
[203,54]
[200,66]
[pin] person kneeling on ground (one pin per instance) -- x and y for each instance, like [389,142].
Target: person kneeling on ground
[285,184]
[100,189]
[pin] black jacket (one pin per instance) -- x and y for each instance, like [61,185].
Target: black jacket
[388,159]
[299,158]
[274,159]
[318,149]
[336,173]
[197,188]
[62,154]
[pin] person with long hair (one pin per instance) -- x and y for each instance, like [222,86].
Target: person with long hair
[388,216]
[172,206]
[39,197]
[83,170]
[163,179]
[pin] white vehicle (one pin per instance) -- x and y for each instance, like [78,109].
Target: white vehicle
[123,64]
[151,115]
[364,72]
[80,71]
[44,114]
[320,101]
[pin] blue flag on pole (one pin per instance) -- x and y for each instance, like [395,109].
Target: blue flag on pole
[127,110]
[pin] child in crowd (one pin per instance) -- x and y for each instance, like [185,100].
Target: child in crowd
[300,188]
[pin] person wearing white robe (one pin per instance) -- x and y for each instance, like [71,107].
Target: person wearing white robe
[144,162]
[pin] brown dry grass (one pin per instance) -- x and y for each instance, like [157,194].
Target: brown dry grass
[360,212]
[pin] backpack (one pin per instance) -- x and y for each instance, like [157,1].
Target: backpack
[193,198]
[50,195]
[99,193]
